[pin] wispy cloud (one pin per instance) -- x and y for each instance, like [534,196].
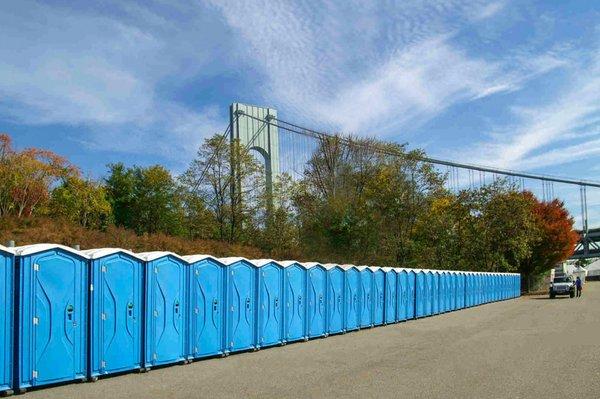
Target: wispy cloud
[102,71]
[564,130]
[379,66]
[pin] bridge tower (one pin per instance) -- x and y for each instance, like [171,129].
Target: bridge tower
[255,129]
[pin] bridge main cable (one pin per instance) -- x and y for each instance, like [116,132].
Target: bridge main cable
[291,127]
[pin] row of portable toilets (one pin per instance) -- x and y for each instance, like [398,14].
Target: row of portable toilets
[76,315]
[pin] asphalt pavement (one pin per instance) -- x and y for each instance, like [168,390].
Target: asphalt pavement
[531,347]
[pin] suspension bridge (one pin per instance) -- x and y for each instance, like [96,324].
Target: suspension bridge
[286,147]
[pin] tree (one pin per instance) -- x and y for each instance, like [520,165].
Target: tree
[27,177]
[228,180]
[81,201]
[557,237]
[145,199]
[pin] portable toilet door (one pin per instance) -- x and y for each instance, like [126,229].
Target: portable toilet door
[462,290]
[294,279]
[270,302]
[240,331]
[166,307]
[317,300]
[433,292]
[352,275]
[7,262]
[206,307]
[410,295]
[402,294]
[468,293]
[366,298]
[443,292]
[421,293]
[447,291]
[116,309]
[437,292]
[378,295]
[451,290]
[335,298]
[391,299]
[52,319]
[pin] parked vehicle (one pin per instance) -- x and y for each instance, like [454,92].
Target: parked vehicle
[562,285]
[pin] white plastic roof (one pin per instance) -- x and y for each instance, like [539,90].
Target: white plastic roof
[329,266]
[153,255]
[197,258]
[98,253]
[288,263]
[388,269]
[37,248]
[7,249]
[308,265]
[363,267]
[374,268]
[262,262]
[231,260]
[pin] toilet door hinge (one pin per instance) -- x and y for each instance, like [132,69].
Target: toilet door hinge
[36,267]
[154,356]
[103,364]
[103,316]
[91,287]
[34,374]
[103,269]
[36,321]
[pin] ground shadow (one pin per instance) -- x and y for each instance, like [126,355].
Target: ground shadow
[546,298]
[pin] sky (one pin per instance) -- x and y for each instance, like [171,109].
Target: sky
[510,84]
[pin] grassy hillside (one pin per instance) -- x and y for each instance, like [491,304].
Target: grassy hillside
[46,230]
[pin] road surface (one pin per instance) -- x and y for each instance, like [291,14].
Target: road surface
[530,347]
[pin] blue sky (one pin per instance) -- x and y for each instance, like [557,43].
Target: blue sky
[513,84]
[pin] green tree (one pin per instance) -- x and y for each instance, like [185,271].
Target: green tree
[145,199]
[81,201]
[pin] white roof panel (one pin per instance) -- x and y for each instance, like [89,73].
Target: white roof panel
[308,265]
[288,263]
[198,258]
[37,248]
[329,266]
[262,262]
[232,259]
[153,255]
[7,249]
[98,253]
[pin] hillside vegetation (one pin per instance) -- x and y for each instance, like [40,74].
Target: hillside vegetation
[357,201]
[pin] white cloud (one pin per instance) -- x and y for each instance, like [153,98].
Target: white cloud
[102,71]
[357,67]
[570,124]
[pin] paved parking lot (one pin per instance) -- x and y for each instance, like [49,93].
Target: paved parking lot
[530,347]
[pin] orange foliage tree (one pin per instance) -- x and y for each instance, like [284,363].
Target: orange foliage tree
[557,237]
[27,177]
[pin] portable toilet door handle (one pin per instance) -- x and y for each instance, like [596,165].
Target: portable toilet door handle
[70,310]
[130,309]
[215,305]
[177,308]
[299,301]
[276,303]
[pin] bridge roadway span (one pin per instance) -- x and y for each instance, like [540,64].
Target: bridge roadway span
[530,347]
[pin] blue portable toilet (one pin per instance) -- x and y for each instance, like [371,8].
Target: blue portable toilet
[462,290]
[335,298]
[317,299]
[422,294]
[410,295]
[430,292]
[116,311]
[436,292]
[451,291]
[241,298]
[52,315]
[448,296]
[366,297]
[444,291]
[294,315]
[402,289]
[391,299]
[378,295]
[206,307]
[7,262]
[468,293]
[166,308]
[352,277]
[270,302]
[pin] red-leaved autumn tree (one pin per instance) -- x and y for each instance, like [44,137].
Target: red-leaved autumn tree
[557,237]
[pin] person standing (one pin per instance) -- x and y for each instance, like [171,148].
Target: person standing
[578,285]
